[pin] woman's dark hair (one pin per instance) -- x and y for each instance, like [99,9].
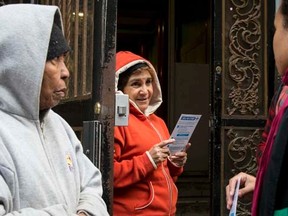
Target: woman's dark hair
[125,75]
[284,12]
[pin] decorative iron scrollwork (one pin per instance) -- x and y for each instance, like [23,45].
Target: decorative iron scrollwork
[241,150]
[244,69]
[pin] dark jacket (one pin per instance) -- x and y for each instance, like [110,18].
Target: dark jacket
[272,176]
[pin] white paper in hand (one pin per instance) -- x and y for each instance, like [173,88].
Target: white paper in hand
[233,209]
[183,132]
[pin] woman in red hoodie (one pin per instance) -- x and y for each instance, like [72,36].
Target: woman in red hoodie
[144,171]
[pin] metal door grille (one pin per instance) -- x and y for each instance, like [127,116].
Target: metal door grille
[78,26]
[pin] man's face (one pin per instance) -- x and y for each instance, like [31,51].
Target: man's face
[54,82]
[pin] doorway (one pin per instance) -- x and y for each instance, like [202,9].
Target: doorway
[176,38]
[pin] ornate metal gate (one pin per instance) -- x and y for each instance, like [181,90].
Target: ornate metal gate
[241,92]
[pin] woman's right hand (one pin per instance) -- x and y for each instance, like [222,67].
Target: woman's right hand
[247,185]
[160,151]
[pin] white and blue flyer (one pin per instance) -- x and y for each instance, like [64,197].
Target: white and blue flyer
[233,209]
[183,131]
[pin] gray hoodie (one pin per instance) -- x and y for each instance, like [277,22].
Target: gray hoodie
[43,170]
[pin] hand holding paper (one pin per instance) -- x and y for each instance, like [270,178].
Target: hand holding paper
[179,158]
[233,210]
[183,132]
[160,151]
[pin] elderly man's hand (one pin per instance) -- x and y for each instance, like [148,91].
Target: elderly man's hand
[82,213]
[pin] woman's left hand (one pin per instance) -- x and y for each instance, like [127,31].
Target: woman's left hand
[179,158]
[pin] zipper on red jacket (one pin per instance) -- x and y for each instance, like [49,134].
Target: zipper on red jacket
[163,170]
[169,186]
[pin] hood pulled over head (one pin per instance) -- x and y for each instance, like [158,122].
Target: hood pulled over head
[57,44]
[126,60]
[24,41]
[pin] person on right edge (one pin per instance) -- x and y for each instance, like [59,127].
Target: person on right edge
[269,187]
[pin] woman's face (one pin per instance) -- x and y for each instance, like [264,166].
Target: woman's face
[140,89]
[54,83]
[280,44]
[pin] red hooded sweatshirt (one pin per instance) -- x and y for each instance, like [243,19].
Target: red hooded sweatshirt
[139,187]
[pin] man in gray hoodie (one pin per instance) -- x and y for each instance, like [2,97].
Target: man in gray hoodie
[43,170]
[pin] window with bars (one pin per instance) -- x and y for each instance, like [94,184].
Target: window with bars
[77,18]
